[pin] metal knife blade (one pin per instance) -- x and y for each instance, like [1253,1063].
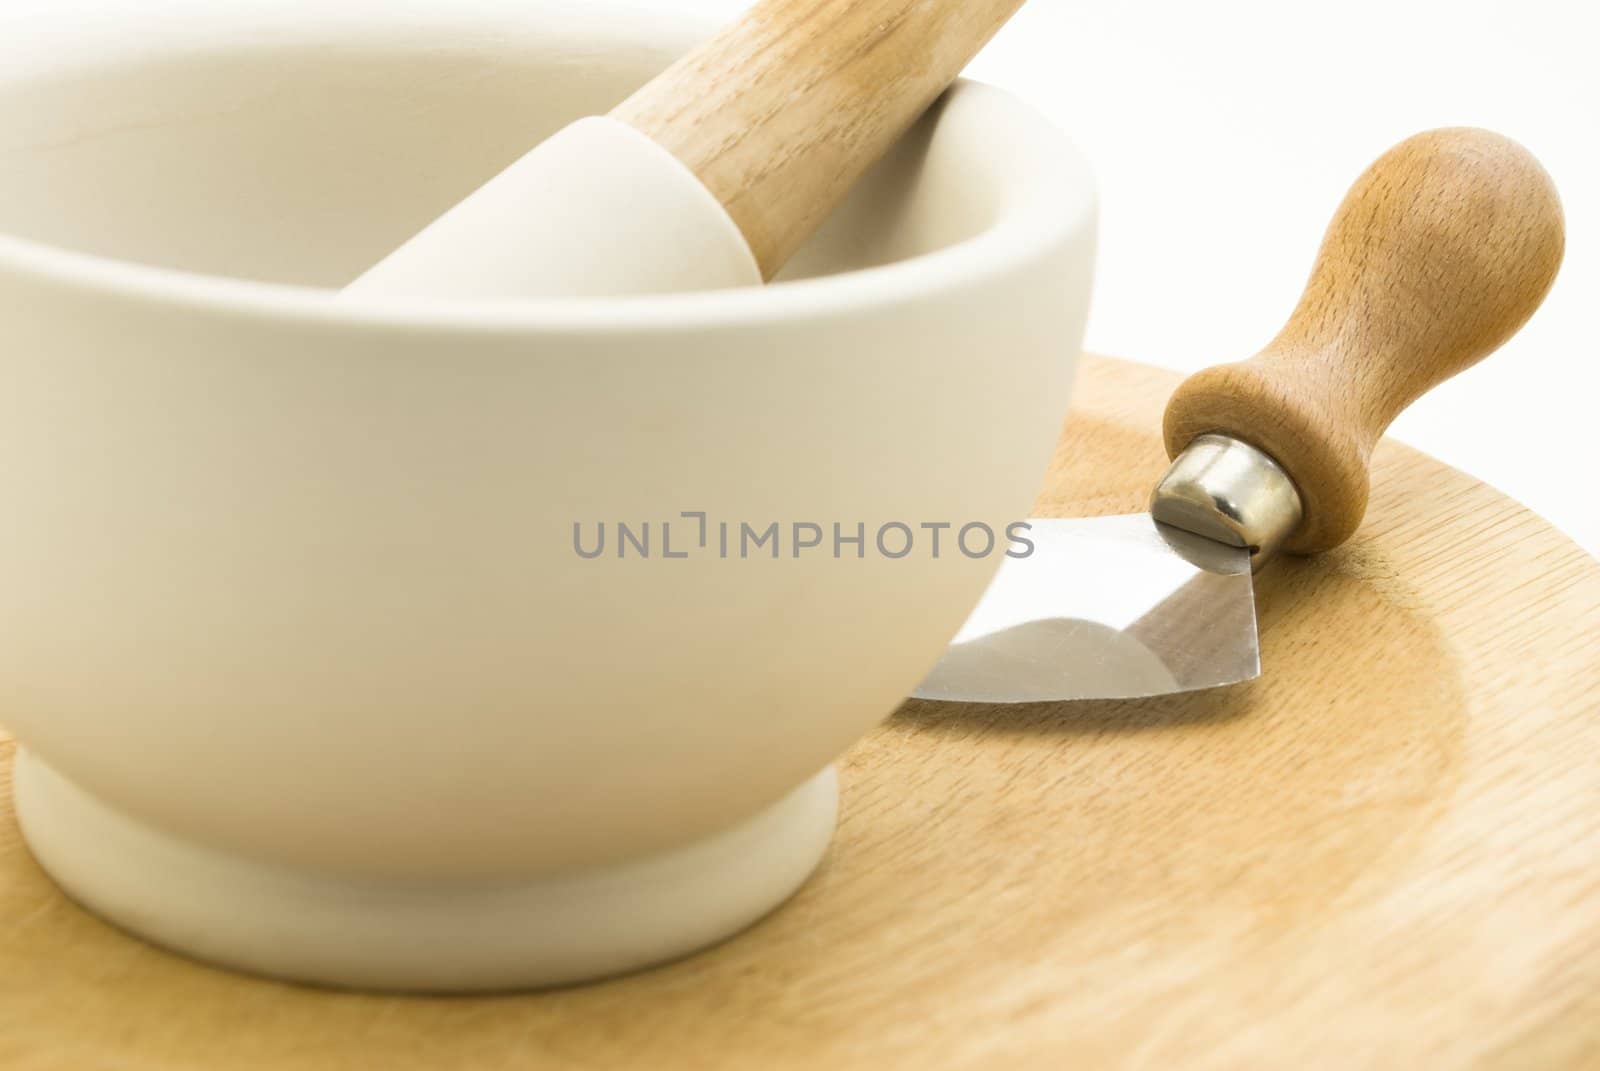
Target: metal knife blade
[1105,608]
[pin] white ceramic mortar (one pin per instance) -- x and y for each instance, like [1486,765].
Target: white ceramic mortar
[309,678]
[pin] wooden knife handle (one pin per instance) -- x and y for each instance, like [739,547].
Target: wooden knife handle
[1439,253]
[781,114]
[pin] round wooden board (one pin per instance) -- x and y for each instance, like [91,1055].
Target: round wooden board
[1385,853]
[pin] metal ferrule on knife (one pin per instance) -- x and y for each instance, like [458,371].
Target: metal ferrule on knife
[1229,491]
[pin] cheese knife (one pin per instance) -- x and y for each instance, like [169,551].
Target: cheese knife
[1439,253]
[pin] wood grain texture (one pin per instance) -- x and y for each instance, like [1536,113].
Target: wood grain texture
[1439,253]
[1383,854]
[785,110]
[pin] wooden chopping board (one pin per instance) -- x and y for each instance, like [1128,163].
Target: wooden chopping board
[1385,853]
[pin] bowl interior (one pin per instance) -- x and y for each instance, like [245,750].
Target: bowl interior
[300,151]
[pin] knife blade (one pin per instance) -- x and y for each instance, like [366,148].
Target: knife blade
[1105,607]
[1439,253]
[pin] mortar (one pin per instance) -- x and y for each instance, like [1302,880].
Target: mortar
[310,676]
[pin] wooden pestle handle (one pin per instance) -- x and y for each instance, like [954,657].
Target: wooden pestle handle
[1439,253]
[780,114]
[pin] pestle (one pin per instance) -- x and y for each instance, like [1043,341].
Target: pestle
[713,174]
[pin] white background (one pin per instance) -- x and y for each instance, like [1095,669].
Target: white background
[1225,133]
